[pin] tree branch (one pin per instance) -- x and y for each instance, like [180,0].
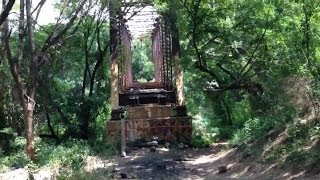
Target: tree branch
[226,71]
[13,63]
[7,8]
[51,40]
[40,5]
[242,73]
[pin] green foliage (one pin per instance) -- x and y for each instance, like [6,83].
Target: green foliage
[7,104]
[253,128]
[75,101]
[227,46]
[142,65]
[227,35]
[256,128]
[300,147]
[203,134]
[69,156]
[17,158]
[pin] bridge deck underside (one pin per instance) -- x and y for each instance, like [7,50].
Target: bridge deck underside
[136,97]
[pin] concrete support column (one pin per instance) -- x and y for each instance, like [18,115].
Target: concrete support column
[176,54]
[114,74]
[129,73]
[179,81]
[157,58]
[114,85]
[127,58]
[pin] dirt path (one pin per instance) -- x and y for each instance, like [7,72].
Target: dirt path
[165,163]
[190,164]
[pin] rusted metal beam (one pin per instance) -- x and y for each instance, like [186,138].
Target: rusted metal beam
[137,3]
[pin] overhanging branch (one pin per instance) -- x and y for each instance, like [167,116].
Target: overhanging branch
[7,8]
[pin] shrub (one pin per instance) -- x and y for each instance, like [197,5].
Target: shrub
[16,158]
[203,134]
[69,154]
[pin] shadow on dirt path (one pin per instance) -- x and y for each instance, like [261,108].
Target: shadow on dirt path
[190,164]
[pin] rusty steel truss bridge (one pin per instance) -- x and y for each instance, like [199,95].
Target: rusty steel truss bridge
[154,109]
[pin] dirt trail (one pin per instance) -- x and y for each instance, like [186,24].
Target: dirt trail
[165,163]
[191,164]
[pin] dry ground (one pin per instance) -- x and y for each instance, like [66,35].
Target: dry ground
[188,164]
[164,163]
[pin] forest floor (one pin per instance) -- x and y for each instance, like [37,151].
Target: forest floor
[189,163]
[173,163]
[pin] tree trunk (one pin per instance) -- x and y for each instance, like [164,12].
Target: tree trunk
[86,65]
[26,100]
[14,114]
[31,88]
[227,111]
[51,129]
[3,122]
[28,121]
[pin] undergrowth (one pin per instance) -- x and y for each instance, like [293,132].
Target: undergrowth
[290,134]
[66,157]
[301,146]
[203,134]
